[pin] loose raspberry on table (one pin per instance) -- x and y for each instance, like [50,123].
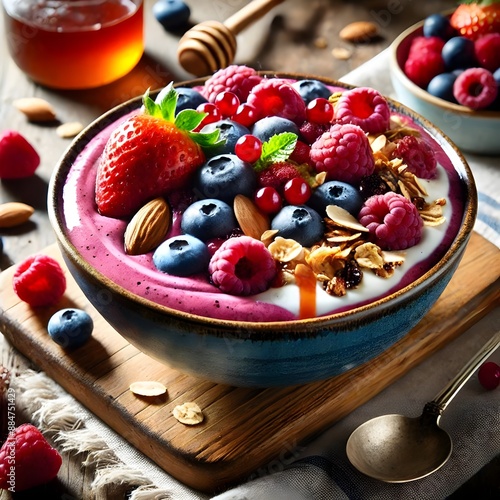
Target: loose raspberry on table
[237,79]
[344,153]
[18,158]
[418,155]
[277,97]
[36,462]
[475,88]
[39,280]
[393,221]
[242,266]
[365,107]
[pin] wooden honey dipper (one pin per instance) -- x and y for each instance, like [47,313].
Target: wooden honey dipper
[211,45]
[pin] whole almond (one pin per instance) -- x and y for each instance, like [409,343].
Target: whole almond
[148,227]
[359,31]
[35,109]
[14,214]
[251,220]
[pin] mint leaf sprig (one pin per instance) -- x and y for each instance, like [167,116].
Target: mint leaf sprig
[277,149]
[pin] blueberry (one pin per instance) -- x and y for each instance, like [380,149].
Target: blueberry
[458,53]
[182,255]
[171,14]
[225,176]
[336,193]
[265,128]
[229,132]
[70,328]
[311,89]
[300,223]
[438,25]
[442,86]
[188,98]
[496,103]
[208,219]
[1,245]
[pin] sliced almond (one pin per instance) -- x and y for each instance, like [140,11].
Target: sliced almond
[35,109]
[359,31]
[188,413]
[14,213]
[148,388]
[148,227]
[69,129]
[343,218]
[251,220]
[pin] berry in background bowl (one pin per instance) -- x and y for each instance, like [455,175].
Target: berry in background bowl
[353,214]
[447,68]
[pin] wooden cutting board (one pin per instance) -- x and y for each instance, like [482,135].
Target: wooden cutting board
[244,429]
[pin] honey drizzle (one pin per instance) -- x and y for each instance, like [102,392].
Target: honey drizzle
[306,281]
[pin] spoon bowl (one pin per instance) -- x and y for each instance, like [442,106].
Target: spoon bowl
[398,449]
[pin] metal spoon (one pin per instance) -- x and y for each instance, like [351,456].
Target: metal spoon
[398,449]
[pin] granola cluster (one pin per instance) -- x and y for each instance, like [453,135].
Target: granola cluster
[347,251]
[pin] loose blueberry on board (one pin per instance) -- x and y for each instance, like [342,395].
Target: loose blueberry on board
[208,219]
[229,133]
[442,86]
[70,328]
[311,89]
[224,176]
[300,223]
[266,127]
[182,255]
[459,53]
[171,14]
[337,193]
[438,25]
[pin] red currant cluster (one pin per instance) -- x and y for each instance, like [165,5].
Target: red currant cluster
[227,105]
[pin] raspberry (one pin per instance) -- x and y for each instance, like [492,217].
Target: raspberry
[422,68]
[36,462]
[301,153]
[310,131]
[277,97]
[475,88]
[18,158]
[364,107]
[237,79]
[277,175]
[393,221]
[423,44]
[39,280]
[242,266]
[343,152]
[418,155]
[487,49]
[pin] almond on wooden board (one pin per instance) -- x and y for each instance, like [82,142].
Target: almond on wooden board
[359,31]
[251,220]
[14,213]
[35,109]
[148,227]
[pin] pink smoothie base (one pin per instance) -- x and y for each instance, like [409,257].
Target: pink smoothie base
[99,240]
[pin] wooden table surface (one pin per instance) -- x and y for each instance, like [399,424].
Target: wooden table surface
[298,36]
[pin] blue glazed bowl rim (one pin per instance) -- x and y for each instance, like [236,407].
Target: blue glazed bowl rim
[373,309]
[395,57]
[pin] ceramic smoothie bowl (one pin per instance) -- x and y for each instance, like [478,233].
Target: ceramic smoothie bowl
[289,333]
[473,131]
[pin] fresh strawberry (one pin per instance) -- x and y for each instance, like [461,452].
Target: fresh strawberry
[27,460]
[151,154]
[473,20]
[18,158]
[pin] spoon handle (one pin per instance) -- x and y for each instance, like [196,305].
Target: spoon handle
[443,398]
